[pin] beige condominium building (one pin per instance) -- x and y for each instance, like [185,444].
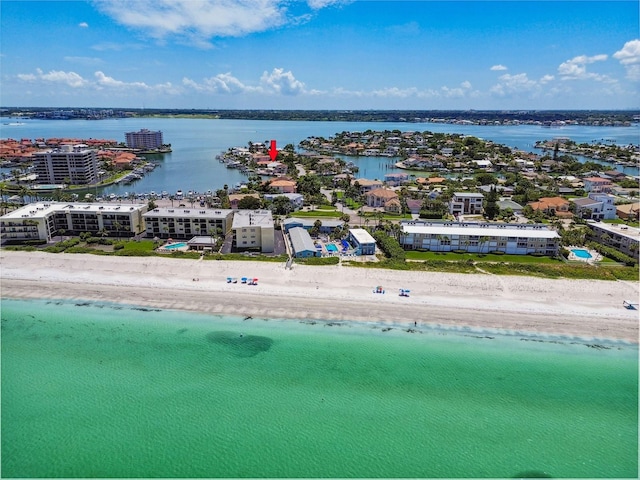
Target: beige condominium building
[253,229]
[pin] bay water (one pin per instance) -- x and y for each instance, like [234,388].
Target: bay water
[94,389]
[192,164]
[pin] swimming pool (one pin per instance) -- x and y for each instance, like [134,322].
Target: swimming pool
[331,247]
[581,253]
[173,246]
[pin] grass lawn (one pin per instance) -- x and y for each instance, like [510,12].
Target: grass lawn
[141,246]
[450,256]
[318,214]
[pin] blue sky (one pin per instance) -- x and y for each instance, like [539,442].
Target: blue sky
[321,54]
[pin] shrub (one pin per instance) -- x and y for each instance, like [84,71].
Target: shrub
[389,245]
[318,260]
[612,253]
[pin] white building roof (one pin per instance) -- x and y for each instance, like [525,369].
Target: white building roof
[42,209]
[480,231]
[361,235]
[468,195]
[618,229]
[188,212]
[251,218]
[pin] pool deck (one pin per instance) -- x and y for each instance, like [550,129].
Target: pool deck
[595,256]
[183,248]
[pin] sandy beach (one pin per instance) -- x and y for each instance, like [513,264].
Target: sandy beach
[574,308]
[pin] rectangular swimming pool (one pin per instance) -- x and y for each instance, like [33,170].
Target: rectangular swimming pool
[331,247]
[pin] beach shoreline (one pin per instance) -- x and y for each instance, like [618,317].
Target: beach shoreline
[588,309]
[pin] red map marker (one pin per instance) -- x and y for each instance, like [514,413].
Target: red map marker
[273,152]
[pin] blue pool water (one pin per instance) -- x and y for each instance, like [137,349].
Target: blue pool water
[331,247]
[173,246]
[581,253]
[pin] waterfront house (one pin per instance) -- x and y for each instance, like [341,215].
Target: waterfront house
[367,185]
[395,179]
[430,180]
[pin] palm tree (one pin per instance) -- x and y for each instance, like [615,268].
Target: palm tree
[117,225]
[24,192]
[483,240]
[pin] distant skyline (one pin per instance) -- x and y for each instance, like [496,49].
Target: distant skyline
[321,54]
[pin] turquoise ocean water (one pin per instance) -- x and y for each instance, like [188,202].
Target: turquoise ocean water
[106,390]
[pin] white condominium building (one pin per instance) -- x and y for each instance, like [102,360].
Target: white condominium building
[43,220]
[69,164]
[510,238]
[186,223]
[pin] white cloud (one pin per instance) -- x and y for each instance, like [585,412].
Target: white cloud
[546,79]
[109,82]
[70,79]
[576,68]
[282,82]
[518,84]
[115,47]
[498,68]
[87,61]
[629,56]
[317,4]
[100,82]
[83,25]
[276,82]
[198,21]
[223,83]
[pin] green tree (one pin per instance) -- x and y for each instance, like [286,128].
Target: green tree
[250,203]
[491,208]
[281,205]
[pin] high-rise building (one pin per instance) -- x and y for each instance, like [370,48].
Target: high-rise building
[144,139]
[72,164]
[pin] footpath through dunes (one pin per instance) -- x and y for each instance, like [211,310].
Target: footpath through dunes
[581,308]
